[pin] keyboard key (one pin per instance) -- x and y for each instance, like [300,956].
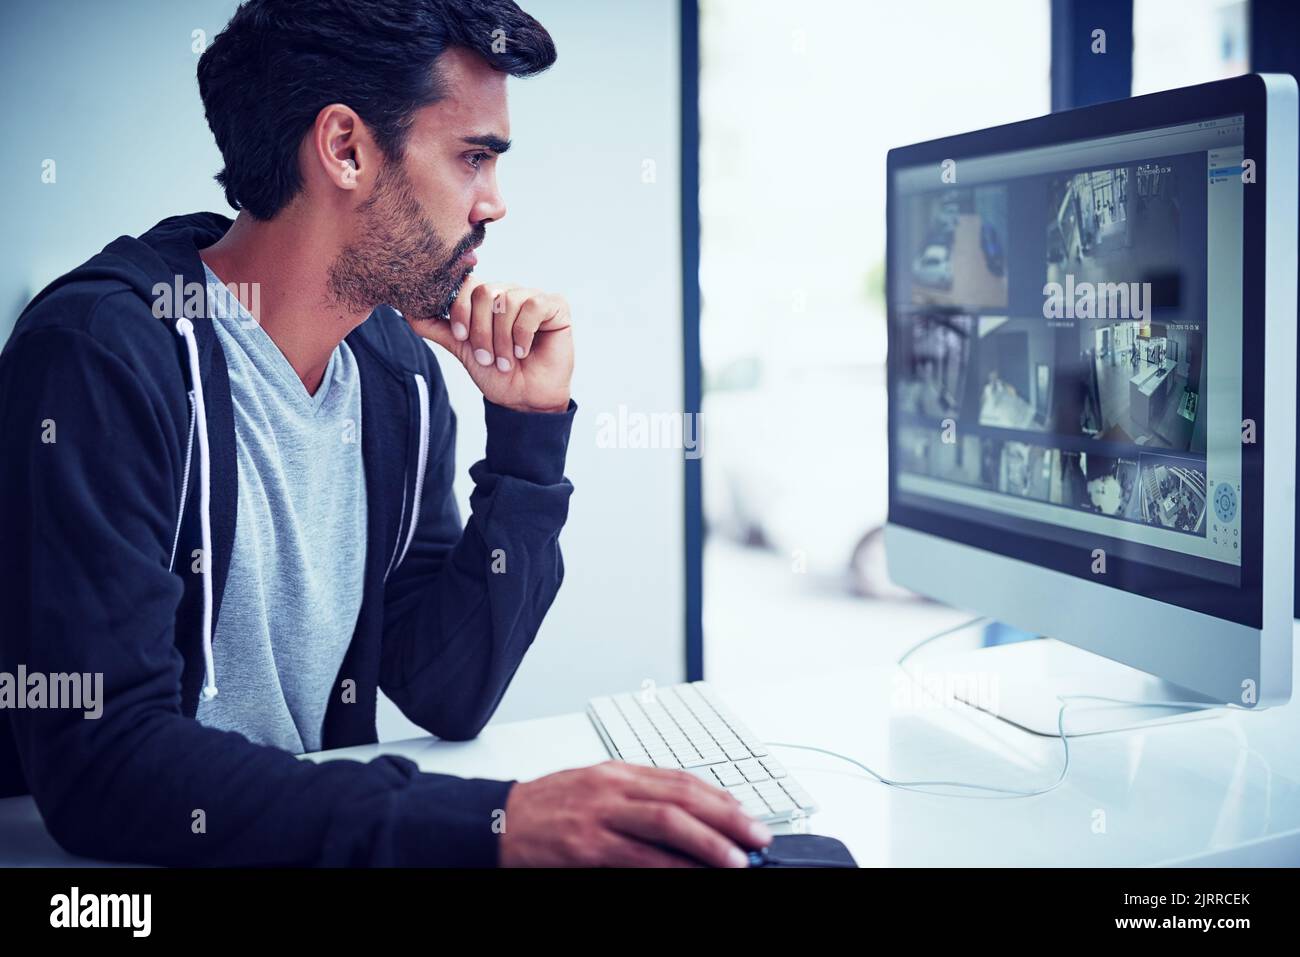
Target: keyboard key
[743,792]
[774,767]
[780,804]
[769,789]
[728,775]
[752,770]
[799,796]
[705,775]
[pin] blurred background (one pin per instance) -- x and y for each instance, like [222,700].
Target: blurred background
[798,107]
[740,141]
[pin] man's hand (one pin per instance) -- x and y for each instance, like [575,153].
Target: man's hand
[625,815]
[516,344]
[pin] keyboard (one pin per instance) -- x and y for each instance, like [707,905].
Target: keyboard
[687,726]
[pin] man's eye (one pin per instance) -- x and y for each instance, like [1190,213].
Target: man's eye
[475,159]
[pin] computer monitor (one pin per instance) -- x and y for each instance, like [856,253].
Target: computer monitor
[1092,384]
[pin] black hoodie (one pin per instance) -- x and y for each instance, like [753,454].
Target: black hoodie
[118,465]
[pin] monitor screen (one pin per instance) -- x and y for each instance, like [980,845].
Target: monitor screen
[1066,353]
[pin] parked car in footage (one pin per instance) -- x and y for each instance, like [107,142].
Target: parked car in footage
[933,267]
[992,247]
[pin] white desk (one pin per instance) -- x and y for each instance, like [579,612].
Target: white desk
[1219,791]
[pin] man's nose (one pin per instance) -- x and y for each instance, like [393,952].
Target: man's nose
[490,208]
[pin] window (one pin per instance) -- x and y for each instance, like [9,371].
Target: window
[798,108]
[1184,42]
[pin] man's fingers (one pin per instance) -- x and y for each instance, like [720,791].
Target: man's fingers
[481,318]
[497,324]
[531,316]
[458,314]
[628,852]
[667,824]
[508,307]
[712,805]
[557,314]
[439,332]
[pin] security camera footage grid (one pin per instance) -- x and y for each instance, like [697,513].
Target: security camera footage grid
[1091,400]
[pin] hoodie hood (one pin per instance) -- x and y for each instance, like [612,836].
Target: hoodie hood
[168,250]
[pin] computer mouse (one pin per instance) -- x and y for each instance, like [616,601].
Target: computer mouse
[802,850]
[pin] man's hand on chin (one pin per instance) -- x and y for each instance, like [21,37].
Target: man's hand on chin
[516,344]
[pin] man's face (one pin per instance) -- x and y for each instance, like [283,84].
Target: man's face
[414,237]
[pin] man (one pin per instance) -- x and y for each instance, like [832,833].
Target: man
[237,506]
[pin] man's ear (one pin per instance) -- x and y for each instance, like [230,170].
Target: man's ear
[340,146]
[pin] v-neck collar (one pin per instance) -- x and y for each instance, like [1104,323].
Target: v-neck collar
[239,323]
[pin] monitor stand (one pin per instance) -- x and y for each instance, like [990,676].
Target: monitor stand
[1019,683]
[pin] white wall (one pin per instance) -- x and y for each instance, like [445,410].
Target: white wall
[108,92]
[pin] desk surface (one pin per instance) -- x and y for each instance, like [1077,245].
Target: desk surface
[1223,790]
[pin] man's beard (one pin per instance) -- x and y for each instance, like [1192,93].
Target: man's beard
[399,260]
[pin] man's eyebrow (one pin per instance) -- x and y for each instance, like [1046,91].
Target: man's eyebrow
[488,141]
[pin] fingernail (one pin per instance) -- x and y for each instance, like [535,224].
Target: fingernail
[503,364]
[737,858]
[519,352]
[459,331]
[760,833]
[483,357]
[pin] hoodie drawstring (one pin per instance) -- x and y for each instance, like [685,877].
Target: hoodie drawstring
[186,330]
[403,542]
[421,462]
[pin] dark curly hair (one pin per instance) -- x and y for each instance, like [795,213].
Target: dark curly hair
[277,63]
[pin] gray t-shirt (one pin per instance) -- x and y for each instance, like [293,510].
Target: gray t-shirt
[296,573]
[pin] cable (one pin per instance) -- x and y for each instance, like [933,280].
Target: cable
[943,634]
[998,793]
